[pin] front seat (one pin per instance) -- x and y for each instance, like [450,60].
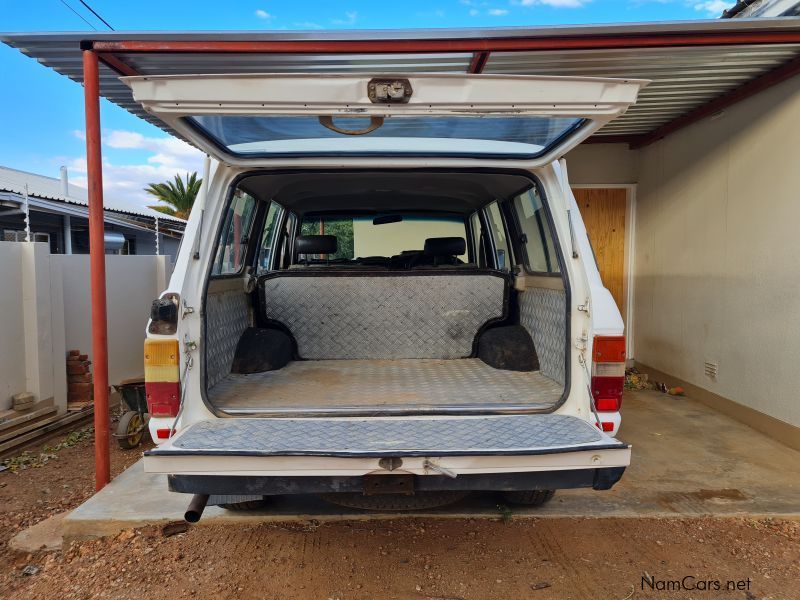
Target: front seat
[441,251]
[308,246]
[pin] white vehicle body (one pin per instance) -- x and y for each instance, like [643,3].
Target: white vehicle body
[591,313]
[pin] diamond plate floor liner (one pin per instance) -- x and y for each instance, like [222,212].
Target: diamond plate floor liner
[384,384]
[375,436]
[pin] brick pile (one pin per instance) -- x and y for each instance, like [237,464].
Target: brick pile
[80,388]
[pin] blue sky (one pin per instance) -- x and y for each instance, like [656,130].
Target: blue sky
[41,112]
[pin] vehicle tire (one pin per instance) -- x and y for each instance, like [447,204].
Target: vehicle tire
[130,430]
[529,497]
[247,505]
[394,502]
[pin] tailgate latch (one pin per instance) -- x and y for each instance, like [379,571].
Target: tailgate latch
[389,91]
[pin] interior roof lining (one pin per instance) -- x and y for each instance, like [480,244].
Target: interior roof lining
[382,191]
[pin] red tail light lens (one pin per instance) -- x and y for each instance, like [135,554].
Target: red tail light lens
[162,377]
[163,399]
[608,372]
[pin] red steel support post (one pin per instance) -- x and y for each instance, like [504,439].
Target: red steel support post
[94,165]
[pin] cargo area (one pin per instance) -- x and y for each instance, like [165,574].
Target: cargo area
[385,294]
[385,384]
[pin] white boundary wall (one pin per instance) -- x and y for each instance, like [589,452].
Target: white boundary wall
[45,310]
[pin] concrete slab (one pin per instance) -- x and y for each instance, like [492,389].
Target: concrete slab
[688,460]
[45,535]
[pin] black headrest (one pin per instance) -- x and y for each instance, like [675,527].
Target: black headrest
[315,244]
[445,246]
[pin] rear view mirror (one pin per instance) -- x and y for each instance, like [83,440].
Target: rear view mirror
[384,219]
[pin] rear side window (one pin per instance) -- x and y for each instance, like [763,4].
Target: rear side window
[477,239]
[503,258]
[539,253]
[268,239]
[232,247]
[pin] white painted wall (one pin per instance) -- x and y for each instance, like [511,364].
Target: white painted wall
[12,324]
[718,253]
[45,310]
[31,327]
[133,282]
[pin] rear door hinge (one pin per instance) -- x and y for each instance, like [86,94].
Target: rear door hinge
[189,346]
[584,307]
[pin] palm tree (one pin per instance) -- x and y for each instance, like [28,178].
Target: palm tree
[178,197]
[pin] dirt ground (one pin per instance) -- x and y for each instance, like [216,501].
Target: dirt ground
[406,558]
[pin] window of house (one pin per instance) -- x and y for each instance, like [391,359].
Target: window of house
[539,252]
[232,247]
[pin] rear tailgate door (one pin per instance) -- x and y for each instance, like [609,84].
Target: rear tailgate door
[253,120]
[355,446]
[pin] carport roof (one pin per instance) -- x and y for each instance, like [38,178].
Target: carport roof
[697,67]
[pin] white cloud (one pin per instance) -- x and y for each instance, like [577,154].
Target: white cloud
[350,18]
[308,25]
[126,182]
[474,12]
[497,12]
[713,7]
[262,14]
[553,3]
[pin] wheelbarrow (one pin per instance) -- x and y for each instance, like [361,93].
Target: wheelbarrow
[132,425]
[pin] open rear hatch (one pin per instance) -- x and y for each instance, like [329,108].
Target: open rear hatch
[329,447]
[255,119]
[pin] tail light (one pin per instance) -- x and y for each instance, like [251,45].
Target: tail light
[608,372]
[162,377]
[165,433]
[164,315]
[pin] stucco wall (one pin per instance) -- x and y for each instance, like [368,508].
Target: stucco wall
[12,324]
[602,163]
[717,255]
[133,282]
[31,326]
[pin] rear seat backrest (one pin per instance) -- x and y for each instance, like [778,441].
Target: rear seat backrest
[342,314]
[315,244]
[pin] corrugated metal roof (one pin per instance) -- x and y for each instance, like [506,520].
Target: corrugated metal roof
[49,188]
[684,77]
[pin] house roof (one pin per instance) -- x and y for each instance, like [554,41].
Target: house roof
[694,65]
[49,188]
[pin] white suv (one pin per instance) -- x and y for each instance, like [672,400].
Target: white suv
[385,293]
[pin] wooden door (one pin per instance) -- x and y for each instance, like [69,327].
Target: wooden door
[603,212]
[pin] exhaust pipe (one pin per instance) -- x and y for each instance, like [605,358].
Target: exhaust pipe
[196,507]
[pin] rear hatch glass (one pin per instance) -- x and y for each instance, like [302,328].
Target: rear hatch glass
[528,136]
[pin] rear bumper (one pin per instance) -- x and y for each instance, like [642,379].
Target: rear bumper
[424,447]
[251,485]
